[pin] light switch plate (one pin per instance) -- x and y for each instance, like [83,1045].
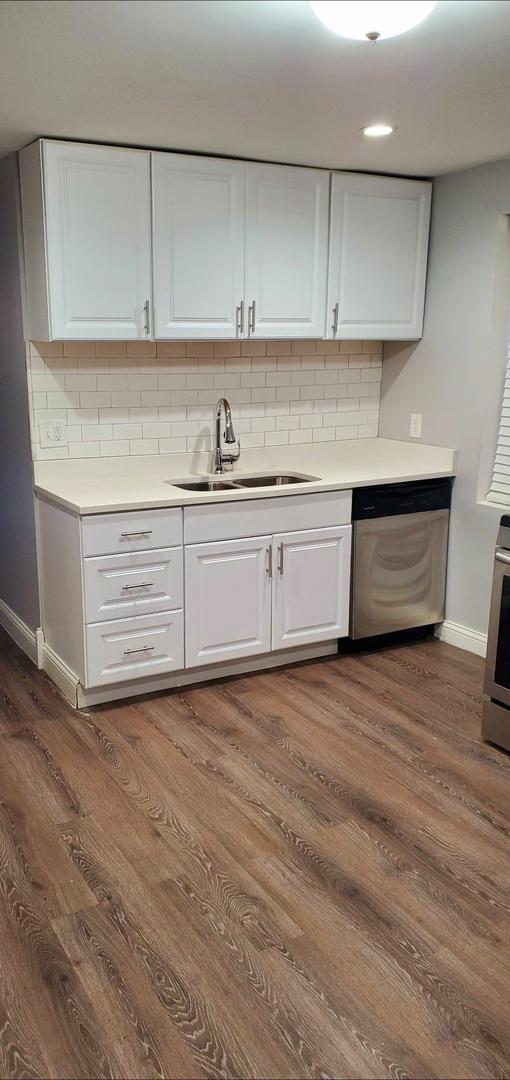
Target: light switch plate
[52,433]
[415,425]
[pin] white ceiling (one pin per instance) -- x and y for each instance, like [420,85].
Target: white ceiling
[257,79]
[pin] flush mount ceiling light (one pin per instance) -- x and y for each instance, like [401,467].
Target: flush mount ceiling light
[371,19]
[377,131]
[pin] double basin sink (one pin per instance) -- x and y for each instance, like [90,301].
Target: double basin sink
[263,480]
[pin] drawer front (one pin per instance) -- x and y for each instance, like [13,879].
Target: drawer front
[256,517]
[137,583]
[107,534]
[128,649]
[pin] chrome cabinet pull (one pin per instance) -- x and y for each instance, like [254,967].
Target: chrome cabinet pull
[280,558]
[240,319]
[147,309]
[251,317]
[131,652]
[334,324]
[269,567]
[142,585]
[139,532]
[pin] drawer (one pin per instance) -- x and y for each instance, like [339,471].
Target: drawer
[257,517]
[107,534]
[127,649]
[137,583]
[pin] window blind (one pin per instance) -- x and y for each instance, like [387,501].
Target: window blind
[499,490]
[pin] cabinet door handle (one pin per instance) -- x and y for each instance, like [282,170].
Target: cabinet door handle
[280,558]
[138,532]
[141,585]
[334,324]
[269,567]
[131,652]
[147,309]
[240,319]
[251,317]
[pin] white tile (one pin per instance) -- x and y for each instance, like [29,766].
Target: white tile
[300,436]
[263,423]
[143,446]
[81,382]
[172,446]
[94,399]
[115,448]
[83,449]
[114,416]
[157,430]
[346,432]
[96,432]
[127,431]
[276,438]
[324,434]
[311,420]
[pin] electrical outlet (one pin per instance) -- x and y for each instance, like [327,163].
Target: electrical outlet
[415,424]
[52,433]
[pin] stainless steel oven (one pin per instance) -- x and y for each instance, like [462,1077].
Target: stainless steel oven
[496,710]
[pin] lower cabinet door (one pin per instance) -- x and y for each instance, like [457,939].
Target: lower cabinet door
[228,600]
[311,586]
[126,649]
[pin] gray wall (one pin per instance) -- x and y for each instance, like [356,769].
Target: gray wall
[18,574]
[454,376]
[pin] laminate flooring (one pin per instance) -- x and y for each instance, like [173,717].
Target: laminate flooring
[300,873]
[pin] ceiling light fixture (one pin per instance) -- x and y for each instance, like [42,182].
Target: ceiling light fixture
[371,19]
[376,131]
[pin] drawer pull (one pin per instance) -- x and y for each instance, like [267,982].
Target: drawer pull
[146,648]
[139,532]
[141,585]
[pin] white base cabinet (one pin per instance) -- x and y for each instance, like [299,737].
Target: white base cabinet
[131,598]
[311,586]
[246,597]
[228,600]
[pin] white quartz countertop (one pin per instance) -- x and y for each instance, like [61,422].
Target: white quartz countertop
[102,485]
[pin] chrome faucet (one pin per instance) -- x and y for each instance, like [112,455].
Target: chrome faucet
[222,457]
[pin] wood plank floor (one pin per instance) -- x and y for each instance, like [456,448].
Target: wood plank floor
[304,873]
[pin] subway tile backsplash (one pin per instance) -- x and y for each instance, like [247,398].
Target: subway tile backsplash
[120,398]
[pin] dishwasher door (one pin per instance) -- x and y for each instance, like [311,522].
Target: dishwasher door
[399,572]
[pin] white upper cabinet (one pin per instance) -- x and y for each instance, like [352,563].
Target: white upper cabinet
[86,223]
[198,244]
[286,250]
[377,256]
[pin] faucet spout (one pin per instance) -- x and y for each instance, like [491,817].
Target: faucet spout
[222,457]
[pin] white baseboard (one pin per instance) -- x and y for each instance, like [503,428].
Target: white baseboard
[64,678]
[19,631]
[462,637]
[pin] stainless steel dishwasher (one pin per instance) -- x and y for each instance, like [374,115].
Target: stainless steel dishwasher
[400,537]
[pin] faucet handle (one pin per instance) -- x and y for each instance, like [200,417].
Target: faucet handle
[233,455]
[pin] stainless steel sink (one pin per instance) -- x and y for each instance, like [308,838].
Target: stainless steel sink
[203,485]
[273,480]
[262,480]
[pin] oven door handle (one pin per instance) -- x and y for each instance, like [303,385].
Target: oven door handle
[500,557]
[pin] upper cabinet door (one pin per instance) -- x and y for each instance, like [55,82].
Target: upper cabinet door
[198,231]
[94,204]
[377,257]
[286,250]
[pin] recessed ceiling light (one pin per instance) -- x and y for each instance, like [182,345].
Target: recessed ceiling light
[371,19]
[376,131]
